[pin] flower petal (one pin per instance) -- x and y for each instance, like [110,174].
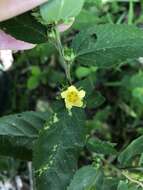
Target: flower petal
[73,97]
[72,88]
[68,105]
[81,93]
[79,104]
[64,94]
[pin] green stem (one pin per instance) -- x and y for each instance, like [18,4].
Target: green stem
[125,174]
[121,18]
[113,84]
[122,173]
[131,12]
[65,64]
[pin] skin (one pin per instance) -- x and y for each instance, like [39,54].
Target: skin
[11,8]
[8,42]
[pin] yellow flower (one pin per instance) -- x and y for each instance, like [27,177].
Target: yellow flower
[73,97]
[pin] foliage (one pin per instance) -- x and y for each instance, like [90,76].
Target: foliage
[98,146]
[59,154]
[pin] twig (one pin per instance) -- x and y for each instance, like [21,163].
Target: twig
[131,12]
[62,56]
[122,172]
[30,175]
[131,179]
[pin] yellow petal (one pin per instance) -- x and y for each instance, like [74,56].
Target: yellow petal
[64,94]
[68,106]
[79,104]
[72,88]
[81,93]
[73,97]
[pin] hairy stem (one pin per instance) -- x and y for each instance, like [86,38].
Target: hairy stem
[122,173]
[131,12]
[66,65]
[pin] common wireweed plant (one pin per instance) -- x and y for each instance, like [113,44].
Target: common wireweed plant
[81,142]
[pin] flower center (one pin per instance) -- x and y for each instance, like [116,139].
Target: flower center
[72,97]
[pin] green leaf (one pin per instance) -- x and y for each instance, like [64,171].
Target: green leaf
[95,100]
[138,94]
[141,160]
[84,71]
[136,80]
[6,163]
[55,78]
[132,150]
[136,86]
[110,184]
[26,28]
[57,150]
[101,147]
[108,45]
[122,186]
[18,133]
[33,82]
[86,178]
[85,19]
[41,52]
[55,10]
[88,84]
[35,70]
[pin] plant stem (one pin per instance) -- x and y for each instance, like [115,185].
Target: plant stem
[113,84]
[122,172]
[131,12]
[30,175]
[66,65]
[131,179]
